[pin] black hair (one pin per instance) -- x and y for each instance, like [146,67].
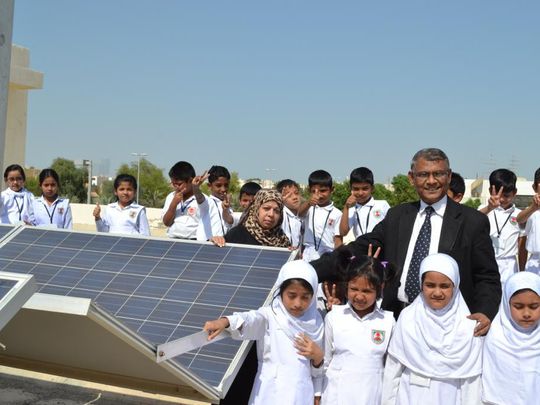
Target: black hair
[250,188]
[537,176]
[320,178]
[216,172]
[182,171]
[48,173]
[457,184]
[522,290]
[288,282]
[503,178]
[12,168]
[361,175]
[127,178]
[375,271]
[286,183]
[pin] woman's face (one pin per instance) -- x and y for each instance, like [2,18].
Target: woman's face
[268,215]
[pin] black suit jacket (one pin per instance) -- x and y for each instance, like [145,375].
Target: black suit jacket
[464,236]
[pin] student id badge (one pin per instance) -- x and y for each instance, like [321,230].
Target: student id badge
[498,244]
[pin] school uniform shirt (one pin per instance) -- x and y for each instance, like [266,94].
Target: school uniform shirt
[351,341]
[130,220]
[433,356]
[283,375]
[57,215]
[236,215]
[512,353]
[321,225]
[17,206]
[504,233]
[186,218]
[212,222]
[363,218]
[292,227]
[532,230]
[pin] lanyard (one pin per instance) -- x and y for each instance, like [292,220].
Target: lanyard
[289,218]
[317,245]
[51,214]
[19,207]
[503,225]
[220,218]
[185,205]
[367,219]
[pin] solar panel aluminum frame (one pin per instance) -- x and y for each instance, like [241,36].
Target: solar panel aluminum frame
[17,296]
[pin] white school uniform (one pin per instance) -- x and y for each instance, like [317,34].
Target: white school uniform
[17,206]
[433,356]
[186,218]
[355,348]
[505,232]
[130,220]
[283,376]
[211,222]
[363,218]
[321,225]
[532,230]
[512,353]
[292,227]
[57,215]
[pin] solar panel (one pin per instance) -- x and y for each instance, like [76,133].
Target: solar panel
[160,289]
[5,229]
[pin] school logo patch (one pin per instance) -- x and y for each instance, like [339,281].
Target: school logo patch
[330,222]
[377,336]
[133,214]
[60,210]
[377,213]
[191,211]
[513,220]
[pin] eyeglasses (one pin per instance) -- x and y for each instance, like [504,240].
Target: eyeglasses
[440,174]
[14,179]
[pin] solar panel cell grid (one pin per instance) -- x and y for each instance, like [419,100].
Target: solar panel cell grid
[161,289]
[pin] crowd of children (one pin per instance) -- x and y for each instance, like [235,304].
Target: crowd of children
[358,354]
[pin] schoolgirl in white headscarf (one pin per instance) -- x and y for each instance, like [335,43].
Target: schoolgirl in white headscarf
[434,357]
[285,335]
[511,370]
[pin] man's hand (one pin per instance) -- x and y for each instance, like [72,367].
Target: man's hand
[483,323]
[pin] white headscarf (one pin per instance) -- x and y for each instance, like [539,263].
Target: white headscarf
[310,322]
[438,343]
[511,352]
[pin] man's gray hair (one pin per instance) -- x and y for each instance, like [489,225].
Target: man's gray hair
[431,155]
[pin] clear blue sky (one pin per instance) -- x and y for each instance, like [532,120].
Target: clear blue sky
[289,85]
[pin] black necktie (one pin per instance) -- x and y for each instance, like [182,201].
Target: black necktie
[421,250]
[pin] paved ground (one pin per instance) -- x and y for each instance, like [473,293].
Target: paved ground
[17,390]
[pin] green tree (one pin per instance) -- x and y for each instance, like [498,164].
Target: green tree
[32,185]
[473,203]
[73,180]
[403,191]
[153,187]
[380,192]
[341,192]
[106,192]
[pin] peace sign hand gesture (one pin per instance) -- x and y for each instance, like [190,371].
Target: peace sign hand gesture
[199,180]
[495,198]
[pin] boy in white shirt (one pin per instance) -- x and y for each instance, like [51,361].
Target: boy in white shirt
[531,217]
[123,216]
[215,210]
[245,198]
[361,211]
[292,224]
[181,211]
[321,233]
[506,234]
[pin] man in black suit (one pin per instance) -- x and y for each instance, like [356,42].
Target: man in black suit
[457,230]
